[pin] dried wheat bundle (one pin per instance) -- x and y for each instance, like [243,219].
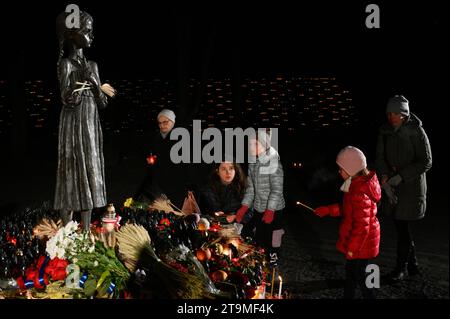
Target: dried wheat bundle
[131,241]
[245,248]
[164,204]
[47,228]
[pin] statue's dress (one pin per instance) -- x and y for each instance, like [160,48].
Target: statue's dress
[80,177]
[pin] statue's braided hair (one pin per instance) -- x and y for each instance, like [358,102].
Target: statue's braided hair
[65,34]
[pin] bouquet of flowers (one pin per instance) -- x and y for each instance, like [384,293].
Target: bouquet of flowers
[68,242]
[103,273]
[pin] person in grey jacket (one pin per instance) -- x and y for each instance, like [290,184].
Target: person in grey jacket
[403,157]
[264,196]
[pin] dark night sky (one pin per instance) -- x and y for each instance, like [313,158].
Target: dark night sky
[137,39]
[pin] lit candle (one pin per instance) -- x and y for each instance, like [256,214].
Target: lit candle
[281,285]
[263,292]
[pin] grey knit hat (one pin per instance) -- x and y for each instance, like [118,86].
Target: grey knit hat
[398,104]
[167,113]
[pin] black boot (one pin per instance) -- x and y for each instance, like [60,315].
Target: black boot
[413,265]
[399,273]
[403,248]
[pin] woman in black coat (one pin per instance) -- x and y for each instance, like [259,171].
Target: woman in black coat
[164,176]
[403,158]
[222,196]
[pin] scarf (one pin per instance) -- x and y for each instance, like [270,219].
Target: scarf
[346,185]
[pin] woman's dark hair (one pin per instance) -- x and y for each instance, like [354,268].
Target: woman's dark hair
[65,33]
[238,184]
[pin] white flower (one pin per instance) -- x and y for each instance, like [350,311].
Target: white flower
[71,227]
[95,263]
[61,253]
[65,242]
[52,247]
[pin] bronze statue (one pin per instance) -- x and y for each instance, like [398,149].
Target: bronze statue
[80,177]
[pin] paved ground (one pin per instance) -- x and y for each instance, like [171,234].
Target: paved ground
[312,268]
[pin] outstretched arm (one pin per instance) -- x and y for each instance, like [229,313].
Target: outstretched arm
[333,210]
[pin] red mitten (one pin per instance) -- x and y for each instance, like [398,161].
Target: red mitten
[335,210]
[241,213]
[268,216]
[322,211]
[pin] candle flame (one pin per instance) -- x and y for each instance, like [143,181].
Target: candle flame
[279,278]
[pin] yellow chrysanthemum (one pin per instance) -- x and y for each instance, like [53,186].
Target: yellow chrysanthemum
[128,202]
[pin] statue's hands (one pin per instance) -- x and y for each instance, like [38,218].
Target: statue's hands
[108,90]
[93,81]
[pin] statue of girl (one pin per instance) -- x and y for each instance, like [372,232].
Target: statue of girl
[80,176]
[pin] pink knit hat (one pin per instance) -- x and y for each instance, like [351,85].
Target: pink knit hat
[352,160]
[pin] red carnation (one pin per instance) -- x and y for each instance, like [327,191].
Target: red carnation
[29,271]
[58,274]
[165,222]
[57,263]
[31,274]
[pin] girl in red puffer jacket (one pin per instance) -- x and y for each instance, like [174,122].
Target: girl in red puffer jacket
[359,231]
